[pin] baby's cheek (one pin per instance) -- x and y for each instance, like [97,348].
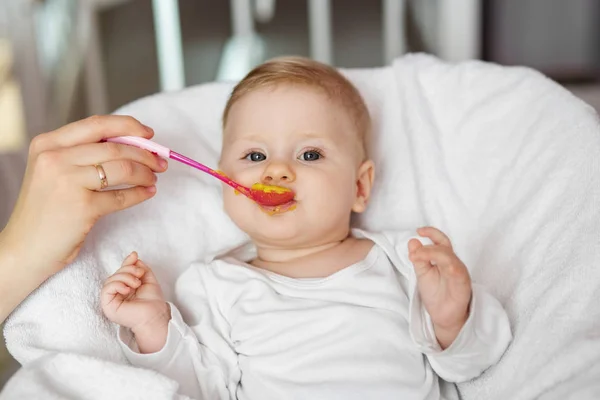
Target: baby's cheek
[231,200]
[333,193]
[236,207]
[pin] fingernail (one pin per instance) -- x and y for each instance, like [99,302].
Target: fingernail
[162,162]
[151,189]
[149,130]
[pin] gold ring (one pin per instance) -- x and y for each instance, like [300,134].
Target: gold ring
[102,176]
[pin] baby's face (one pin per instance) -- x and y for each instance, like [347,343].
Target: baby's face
[295,137]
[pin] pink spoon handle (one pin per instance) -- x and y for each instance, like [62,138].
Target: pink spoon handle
[142,143]
[165,152]
[192,163]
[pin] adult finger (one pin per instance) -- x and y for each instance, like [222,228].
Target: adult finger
[436,236]
[117,173]
[98,153]
[117,200]
[90,130]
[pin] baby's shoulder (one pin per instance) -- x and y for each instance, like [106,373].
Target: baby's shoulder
[395,245]
[388,239]
[214,281]
[226,269]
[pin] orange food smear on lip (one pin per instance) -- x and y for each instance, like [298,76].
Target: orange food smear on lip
[277,210]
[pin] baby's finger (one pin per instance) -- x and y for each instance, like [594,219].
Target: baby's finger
[148,276]
[437,255]
[449,264]
[114,288]
[113,295]
[126,278]
[438,237]
[130,259]
[421,267]
[414,245]
[132,269]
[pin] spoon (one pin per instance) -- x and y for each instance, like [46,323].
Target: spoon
[265,195]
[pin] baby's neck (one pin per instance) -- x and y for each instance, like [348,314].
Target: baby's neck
[316,261]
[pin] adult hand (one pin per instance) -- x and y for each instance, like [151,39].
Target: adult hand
[60,198]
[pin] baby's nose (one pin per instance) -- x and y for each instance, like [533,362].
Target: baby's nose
[277,172]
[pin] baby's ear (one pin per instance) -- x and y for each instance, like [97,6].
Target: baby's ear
[364,184]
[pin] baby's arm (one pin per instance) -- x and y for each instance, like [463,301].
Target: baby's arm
[461,328]
[153,335]
[480,344]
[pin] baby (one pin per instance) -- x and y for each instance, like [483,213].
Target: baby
[310,309]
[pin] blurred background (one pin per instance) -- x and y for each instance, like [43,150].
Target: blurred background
[62,60]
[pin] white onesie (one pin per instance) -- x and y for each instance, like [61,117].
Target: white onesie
[360,333]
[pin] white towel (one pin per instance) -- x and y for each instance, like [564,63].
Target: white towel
[502,159]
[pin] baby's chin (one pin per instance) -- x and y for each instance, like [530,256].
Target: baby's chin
[274,236]
[285,225]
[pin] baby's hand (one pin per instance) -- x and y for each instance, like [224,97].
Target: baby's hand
[132,298]
[443,282]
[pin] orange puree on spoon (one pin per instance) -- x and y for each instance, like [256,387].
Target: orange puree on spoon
[268,195]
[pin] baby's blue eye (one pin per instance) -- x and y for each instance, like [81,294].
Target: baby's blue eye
[255,156]
[311,155]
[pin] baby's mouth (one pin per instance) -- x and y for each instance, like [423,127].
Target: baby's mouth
[279,209]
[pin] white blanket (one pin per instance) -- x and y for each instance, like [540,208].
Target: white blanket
[502,159]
